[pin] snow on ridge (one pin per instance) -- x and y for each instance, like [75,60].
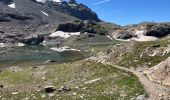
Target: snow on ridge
[44,13]
[12,5]
[43,1]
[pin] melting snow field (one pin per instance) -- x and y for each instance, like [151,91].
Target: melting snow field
[140,37]
[64,34]
[12,5]
[61,49]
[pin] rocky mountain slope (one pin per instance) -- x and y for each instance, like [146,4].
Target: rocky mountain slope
[71,7]
[24,18]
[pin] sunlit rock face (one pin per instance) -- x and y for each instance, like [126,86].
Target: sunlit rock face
[160,73]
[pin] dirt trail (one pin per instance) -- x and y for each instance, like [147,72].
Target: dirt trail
[154,90]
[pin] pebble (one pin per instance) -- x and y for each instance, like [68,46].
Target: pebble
[43,78]
[14,93]
[140,70]
[74,93]
[160,95]
[34,97]
[38,90]
[43,96]
[51,95]
[81,96]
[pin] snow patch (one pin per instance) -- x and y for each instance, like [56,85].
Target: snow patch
[57,0]
[145,38]
[62,49]
[44,13]
[11,5]
[64,34]
[44,1]
[73,5]
[140,37]
[20,44]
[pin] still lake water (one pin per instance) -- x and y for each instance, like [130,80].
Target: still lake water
[31,55]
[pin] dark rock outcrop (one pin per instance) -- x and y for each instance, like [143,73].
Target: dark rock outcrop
[70,27]
[83,27]
[158,30]
[32,40]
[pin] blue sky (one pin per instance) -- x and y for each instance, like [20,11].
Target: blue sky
[125,12]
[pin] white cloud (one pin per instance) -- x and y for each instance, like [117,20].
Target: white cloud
[97,8]
[104,1]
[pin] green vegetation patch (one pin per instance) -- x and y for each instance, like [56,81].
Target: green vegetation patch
[86,80]
[136,58]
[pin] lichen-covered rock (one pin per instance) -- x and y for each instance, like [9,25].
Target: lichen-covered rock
[160,73]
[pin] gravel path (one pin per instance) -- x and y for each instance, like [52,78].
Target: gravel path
[154,90]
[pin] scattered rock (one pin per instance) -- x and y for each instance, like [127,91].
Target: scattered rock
[49,61]
[15,93]
[160,95]
[49,89]
[43,96]
[141,97]
[63,89]
[74,93]
[51,94]
[26,98]
[1,86]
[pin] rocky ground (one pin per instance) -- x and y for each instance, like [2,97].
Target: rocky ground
[117,62]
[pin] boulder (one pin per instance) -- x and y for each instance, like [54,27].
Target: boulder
[123,34]
[141,97]
[63,89]
[49,89]
[160,73]
[32,40]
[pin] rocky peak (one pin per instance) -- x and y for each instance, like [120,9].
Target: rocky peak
[72,2]
[75,9]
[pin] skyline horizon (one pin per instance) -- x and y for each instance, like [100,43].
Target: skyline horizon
[130,11]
